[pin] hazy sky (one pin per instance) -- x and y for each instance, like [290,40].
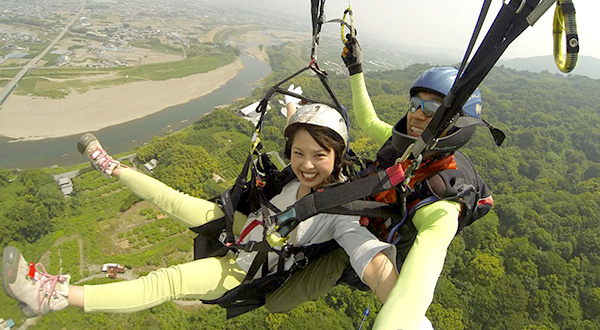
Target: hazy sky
[449,24]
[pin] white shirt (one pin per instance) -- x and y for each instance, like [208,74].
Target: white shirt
[360,244]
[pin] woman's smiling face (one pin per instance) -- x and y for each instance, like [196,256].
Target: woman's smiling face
[311,163]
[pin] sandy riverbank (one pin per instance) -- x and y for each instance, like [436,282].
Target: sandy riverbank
[28,118]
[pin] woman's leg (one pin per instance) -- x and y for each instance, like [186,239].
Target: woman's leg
[41,293]
[314,281]
[184,209]
[206,278]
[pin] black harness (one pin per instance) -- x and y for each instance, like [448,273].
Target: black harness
[463,185]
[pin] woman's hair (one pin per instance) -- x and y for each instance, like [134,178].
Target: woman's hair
[327,139]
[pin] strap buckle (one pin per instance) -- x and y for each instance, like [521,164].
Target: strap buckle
[300,259]
[286,221]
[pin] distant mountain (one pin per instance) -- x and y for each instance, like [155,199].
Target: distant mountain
[586,65]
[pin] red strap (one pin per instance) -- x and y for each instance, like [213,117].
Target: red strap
[248,229]
[395,173]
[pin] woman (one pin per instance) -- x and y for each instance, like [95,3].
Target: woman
[316,139]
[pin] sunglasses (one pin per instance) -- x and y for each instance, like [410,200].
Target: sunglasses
[428,107]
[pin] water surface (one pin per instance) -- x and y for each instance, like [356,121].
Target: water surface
[120,138]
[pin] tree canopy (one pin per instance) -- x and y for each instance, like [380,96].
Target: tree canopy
[532,263]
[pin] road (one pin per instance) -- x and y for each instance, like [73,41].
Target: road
[31,64]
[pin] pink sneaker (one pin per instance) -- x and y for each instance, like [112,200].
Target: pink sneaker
[90,147]
[38,292]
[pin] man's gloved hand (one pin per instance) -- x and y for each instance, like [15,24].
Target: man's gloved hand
[290,99]
[352,55]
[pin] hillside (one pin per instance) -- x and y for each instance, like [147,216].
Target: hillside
[532,263]
[586,65]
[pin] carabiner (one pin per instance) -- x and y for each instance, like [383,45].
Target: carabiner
[564,20]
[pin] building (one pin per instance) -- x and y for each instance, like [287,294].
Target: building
[112,269]
[66,186]
[150,165]
[5,325]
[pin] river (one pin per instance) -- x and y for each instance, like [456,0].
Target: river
[120,138]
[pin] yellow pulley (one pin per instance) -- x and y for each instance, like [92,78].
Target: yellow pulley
[564,20]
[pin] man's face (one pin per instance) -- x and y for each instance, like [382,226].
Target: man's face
[417,121]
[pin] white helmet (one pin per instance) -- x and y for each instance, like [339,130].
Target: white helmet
[320,115]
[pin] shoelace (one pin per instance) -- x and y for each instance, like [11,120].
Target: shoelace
[102,159]
[48,284]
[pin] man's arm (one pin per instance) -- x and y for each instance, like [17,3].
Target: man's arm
[365,114]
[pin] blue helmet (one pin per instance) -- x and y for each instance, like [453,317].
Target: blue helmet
[440,81]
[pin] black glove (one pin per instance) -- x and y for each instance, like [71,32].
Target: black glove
[352,55]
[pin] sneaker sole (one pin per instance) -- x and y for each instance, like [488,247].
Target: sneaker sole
[84,141]
[10,263]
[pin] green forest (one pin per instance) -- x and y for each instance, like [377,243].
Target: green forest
[532,263]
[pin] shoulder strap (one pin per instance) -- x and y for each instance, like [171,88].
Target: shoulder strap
[330,197]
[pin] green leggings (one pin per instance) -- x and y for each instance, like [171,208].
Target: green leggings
[207,278]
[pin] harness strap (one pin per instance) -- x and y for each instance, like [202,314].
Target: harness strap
[262,248]
[394,239]
[317,12]
[370,209]
[484,10]
[259,260]
[325,199]
[248,229]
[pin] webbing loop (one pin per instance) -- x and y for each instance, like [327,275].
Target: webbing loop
[348,12]
[317,12]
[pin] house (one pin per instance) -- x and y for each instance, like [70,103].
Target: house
[113,269]
[150,165]
[66,186]
[5,325]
